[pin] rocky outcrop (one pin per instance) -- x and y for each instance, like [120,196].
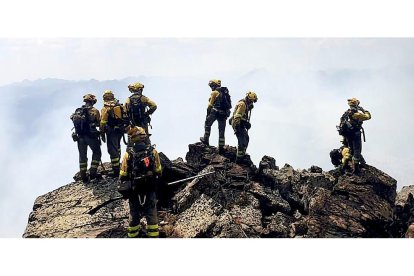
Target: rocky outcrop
[79,210]
[237,201]
[404,213]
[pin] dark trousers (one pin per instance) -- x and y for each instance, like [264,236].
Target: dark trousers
[113,143]
[243,141]
[221,120]
[95,145]
[355,144]
[148,209]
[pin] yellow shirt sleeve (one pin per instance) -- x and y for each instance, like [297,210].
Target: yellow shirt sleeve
[361,116]
[151,104]
[104,118]
[346,155]
[158,168]
[124,165]
[212,98]
[127,101]
[239,112]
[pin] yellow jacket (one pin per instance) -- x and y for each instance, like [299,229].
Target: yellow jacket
[105,113]
[361,116]
[239,113]
[125,164]
[145,100]
[212,98]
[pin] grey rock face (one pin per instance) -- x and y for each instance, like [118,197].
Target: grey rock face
[237,201]
[404,213]
[79,210]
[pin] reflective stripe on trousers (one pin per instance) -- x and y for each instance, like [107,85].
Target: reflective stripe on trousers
[152,231]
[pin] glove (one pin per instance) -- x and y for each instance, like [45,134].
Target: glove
[248,125]
[103,138]
[75,137]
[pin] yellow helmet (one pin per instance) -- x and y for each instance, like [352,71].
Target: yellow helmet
[251,96]
[136,134]
[353,102]
[135,86]
[108,95]
[214,83]
[89,98]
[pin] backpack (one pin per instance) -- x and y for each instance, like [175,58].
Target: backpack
[345,127]
[137,110]
[142,161]
[120,120]
[223,100]
[336,157]
[80,119]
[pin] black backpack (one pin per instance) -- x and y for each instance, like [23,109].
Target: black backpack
[142,161]
[80,119]
[223,100]
[336,157]
[345,127]
[137,110]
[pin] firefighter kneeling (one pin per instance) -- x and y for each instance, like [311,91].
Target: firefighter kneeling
[140,172]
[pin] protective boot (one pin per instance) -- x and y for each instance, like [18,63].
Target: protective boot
[241,152]
[114,173]
[205,141]
[240,160]
[84,177]
[356,169]
[362,163]
[221,150]
[93,174]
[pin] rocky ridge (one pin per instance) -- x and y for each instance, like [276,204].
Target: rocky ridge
[237,201]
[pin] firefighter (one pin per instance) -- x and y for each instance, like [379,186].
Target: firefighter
[139,107]
[86,120]
[240,122]
[140,172]
[219,105]
[112,127]
[351,128]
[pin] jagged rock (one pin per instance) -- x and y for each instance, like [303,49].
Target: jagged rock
[198,218]
[191,192]
[237,201]
[315,169]
[410,232]
[358,206]
[79,210]
[267,162]
[278,226]
[270,200]
[403,211]
[200,155]
[402,196]
[295,186]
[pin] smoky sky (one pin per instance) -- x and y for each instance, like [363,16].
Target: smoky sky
[302,87]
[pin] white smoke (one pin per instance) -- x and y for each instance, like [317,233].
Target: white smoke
[302,85]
